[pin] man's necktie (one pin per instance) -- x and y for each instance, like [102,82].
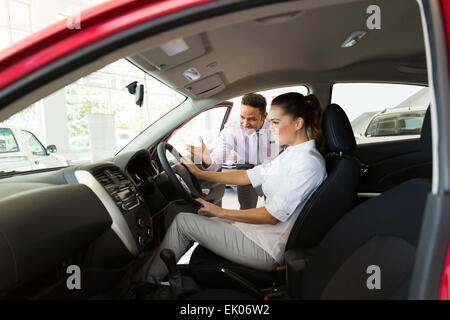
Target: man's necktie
[257,148]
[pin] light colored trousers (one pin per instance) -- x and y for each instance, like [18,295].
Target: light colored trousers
[218,236]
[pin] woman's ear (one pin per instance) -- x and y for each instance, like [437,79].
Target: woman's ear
[299,123]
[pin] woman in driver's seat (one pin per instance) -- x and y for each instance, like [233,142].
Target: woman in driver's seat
[257,237]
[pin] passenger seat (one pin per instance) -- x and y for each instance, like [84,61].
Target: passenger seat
[372,245]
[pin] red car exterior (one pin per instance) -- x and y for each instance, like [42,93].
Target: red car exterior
[97,23]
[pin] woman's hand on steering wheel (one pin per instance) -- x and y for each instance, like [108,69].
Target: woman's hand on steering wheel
[208,209]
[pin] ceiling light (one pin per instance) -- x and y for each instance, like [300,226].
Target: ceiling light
[353,39]
[191,74]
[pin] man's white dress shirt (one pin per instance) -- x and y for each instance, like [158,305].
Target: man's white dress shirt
[257,148]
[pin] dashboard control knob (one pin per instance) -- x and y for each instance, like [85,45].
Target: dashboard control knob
[140,222]
[140,240]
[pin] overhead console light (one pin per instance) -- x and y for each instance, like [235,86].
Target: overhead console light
[174,47]
[353,39]
[207,86]
[191,74]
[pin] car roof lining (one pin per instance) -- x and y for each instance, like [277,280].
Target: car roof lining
[248,50]
[377,60]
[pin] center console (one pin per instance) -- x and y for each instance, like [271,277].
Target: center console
[130,216]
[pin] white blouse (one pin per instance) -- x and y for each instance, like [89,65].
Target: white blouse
[287,181]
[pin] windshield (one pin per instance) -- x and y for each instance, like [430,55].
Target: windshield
[88,120]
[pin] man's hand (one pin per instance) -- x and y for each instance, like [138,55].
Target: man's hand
[208,209]
[201,152]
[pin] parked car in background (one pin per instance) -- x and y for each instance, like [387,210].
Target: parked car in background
[393,124]
[402,122]
[20,150]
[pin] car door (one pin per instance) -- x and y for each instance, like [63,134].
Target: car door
[390,143]
[38,155]
[208,125]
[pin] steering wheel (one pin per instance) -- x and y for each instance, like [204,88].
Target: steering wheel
[186,184]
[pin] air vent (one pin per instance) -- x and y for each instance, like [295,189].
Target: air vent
[117,174]
[102,178]
[123,192]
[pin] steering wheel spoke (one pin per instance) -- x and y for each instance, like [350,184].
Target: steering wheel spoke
[185,183]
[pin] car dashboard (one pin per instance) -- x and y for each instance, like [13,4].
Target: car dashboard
[100,217]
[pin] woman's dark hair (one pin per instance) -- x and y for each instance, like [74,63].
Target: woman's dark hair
[307,107]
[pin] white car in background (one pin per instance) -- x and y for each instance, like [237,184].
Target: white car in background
[20,150]
[393,124]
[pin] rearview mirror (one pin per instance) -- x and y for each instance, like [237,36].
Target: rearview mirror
[138,91]
[51,148]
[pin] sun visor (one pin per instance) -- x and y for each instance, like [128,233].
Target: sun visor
[174,52]
[206,86]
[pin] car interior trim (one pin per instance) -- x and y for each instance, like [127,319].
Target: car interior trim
[119,224]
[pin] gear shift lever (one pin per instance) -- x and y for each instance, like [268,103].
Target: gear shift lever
[168,257]
[175,279]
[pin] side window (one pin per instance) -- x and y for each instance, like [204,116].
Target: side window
[269,95]
[206,125]
[33,144]
[8,142]
[383,111]
[400,124]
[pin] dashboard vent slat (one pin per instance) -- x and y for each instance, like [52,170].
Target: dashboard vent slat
[118,174]
[102,178]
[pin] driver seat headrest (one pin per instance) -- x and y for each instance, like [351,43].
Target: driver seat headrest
[337,130]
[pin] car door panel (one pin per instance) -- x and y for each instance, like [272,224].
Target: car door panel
[213,191]
[387,164]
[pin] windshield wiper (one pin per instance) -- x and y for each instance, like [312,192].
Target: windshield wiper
[4,174]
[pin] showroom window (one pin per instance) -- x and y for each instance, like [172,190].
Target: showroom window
[15,21]
[383,111]
[269,95]
[206,125]
[20,18]
[96,116]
